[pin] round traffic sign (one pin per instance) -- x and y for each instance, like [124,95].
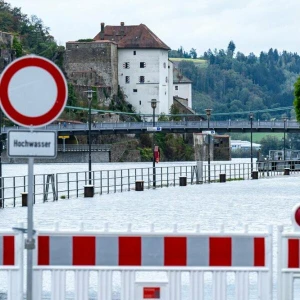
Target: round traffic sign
[33,91]
[296,217]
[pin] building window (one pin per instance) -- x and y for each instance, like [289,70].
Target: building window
[140,102]
[176,87]
[126,65]
[127,79]
[135,90]
[134,52]
[142,79]
[167,79]
[165,65]
[142,65]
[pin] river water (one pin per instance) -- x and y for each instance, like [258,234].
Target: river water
[257,203]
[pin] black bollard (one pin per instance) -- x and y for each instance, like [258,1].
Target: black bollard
[254,174]
[222,177]
[139,185]
[24,198]
[182,181]
[88,191]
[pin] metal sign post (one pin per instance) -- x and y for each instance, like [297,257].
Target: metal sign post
[46,93]
[30,241]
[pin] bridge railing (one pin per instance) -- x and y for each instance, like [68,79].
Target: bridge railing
[202,125]
[82,147]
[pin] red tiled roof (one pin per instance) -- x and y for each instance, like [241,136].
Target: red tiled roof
[135,36]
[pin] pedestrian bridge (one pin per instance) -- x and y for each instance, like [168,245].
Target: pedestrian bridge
[171,127]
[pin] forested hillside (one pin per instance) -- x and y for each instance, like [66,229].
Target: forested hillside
[234,82]
[31,35]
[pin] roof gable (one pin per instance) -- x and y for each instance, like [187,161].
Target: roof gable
[178,77]
[136,36]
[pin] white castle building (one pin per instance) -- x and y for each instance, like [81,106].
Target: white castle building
[132,57]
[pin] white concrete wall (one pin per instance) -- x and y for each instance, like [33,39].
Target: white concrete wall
[184,91]
[170,83]
[155,72]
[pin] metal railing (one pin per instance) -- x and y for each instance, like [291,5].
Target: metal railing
[82,147]
[176,126]
[51,187]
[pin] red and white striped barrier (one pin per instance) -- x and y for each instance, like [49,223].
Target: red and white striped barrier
[11,262]
[288,257]
[129,252]
[7,250]
[151,251]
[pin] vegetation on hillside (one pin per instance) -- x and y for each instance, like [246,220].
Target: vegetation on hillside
[297,99]
[235,82]
[225,80]
[31,35]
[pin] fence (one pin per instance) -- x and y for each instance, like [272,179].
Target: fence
[288,263]
[82,147]
[11,263]
[49,187]
[127,265]
[107,264]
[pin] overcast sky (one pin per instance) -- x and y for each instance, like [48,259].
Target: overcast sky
[253,25]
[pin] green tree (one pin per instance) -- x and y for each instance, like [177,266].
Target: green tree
[174,111]
[193,53]
[17,46]
[72,98]
[270,143]
[162,117]
[297,99]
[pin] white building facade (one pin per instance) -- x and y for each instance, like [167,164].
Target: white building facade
[144,70]
[144,75]
[182,87]
[243,145]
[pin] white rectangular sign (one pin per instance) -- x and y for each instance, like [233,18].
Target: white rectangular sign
[154,128]
[208,132]
[36,143]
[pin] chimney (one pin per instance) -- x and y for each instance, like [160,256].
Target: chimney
[102,31]
[122,29]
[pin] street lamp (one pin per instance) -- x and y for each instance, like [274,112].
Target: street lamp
[208,114]
[251,141]
[284,123]
[153,105]
[90,98]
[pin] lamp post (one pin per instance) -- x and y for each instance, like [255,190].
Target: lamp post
[251,142]
[153,105]
[284,123]
[90,98]
[208,114]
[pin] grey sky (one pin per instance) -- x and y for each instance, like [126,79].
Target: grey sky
[254,25]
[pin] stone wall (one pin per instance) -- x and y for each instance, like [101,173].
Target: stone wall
[125,151]
[182,106]
[222,149]
[6,52]
[93,64]
[219,147]
[6,39]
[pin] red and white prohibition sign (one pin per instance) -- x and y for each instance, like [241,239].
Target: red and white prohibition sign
[33,91]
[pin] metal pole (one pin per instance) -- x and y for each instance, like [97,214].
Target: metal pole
[208,156]
[153,148]
[284,138]
[90,144]
[251,148]
[30,242]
